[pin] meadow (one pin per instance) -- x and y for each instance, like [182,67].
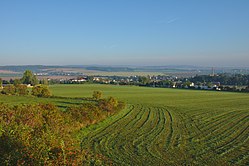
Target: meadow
[168,126]
[58,101]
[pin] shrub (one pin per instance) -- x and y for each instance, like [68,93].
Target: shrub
[41,134]
[9,89]
[111,105]
[41,91]
[32,135]
[21,89]
[97,95]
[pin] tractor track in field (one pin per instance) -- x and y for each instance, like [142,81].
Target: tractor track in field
[159,135]
[226,129]
[235,138]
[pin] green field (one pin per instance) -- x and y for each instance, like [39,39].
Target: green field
[162,126]
[169,126]
[60,102]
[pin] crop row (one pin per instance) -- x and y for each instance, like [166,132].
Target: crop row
[164,136]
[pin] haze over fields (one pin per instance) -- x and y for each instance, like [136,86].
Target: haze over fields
[141,32]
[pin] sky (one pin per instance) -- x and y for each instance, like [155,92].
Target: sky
[124,32]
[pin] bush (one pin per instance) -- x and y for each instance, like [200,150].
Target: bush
[21,89]
[36,135]
[9,90]
[111,105]
[41,134]
[41,91]
[97,95]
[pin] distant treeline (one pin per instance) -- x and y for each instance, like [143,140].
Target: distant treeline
[33,68]
[138,69]
[111,69]
[224,79]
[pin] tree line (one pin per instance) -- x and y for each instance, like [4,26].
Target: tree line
[20,86]
[224,79]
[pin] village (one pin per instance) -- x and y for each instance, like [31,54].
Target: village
[208,82]
[213,81]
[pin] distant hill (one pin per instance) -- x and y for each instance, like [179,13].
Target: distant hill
[161,69]
[34,68]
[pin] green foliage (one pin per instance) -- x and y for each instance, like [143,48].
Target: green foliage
[21,89]
[29,78]
[1,82]
[111,105]
[224,79]
[17,82]
[18,89]
[41,91]
[40,134]
[97,95]
[187,83]
[9,90]
[44,82]
[144,80]
[87,113]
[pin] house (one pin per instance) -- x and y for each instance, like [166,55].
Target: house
[96,79]
[192,84]
[174,85]
[78,80]
[29,86]
[217,84]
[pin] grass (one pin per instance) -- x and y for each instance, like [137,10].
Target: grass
[164,126]
[169,126]
[60,102]
[153,96]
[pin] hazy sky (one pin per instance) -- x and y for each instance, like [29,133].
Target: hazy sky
[125,32]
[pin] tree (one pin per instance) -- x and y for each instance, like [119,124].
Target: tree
[166,82]
[5,82]
[22,89]
[209,84]
[9,89]
[44,81]
[90,78]
[187,83]
[41,91]
[1,82]
[110,104]
[17,82]
[246,89]
[144,80]
[29,78]
[11,81]
[97,95]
